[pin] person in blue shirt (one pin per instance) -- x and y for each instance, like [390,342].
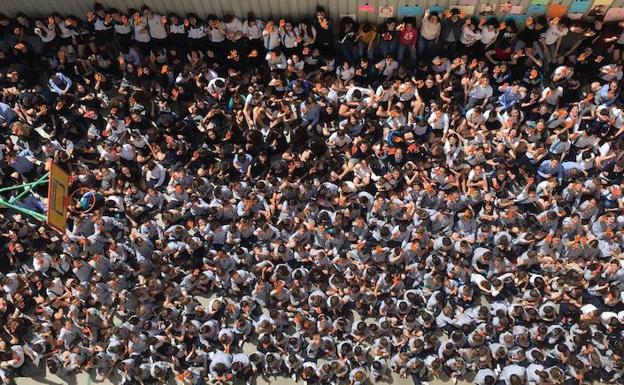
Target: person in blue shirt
[310,112]
[548,168]
[607,94]
[570,170]
[21,162]
[510,95]
[299,87]
[7,115]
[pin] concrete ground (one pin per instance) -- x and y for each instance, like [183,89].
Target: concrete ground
[38,376]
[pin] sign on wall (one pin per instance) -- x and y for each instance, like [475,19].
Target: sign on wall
[386,11]
[615,14]
[580,6]
[410,10]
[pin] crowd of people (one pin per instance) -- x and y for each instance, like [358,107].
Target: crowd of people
[431,197]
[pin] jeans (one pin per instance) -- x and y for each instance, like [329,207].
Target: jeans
[450,48]
[411,49]
[388,47]
[472,102]
[550,56]
[425,47]
[347,50]
[363,51]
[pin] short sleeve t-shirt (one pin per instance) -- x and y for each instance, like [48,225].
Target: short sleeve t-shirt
[553,33]
[157,29]
[141,30]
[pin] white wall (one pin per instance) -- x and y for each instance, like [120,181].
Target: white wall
[262,8]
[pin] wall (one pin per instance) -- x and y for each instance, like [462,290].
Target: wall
[262,8]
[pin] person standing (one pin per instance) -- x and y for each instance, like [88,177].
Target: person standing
[450,33]
[429,34]
[365,41]
[157,27]
[388,37]
[408,36]
[141,32]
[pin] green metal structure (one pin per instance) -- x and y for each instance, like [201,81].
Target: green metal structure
[26,188]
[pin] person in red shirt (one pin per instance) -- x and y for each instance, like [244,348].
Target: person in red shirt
[407,40]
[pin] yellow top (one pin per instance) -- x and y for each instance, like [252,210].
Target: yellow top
[367,37]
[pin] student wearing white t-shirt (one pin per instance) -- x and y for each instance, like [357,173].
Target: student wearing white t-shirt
[141,32]
[197,31]
[47,32]
[176,31]
[252,31]
[385,92]
[475,117]
[123,29]
[439,122]
[489,34]
[551,39]
[271,36]
[233,28]
[470,34]
[551,95]
[216,33]
[480,93]
[339,139]
[345,72]
[290,36]
[156,26]
[387,68]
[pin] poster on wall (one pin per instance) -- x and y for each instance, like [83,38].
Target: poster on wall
[410,10]
[580,6]
[614,14]
[505,7]
[467,10]
[536,9]
[556,10]
[386,11]
[436,8]
[604,3]
[486,9]
[366,8]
